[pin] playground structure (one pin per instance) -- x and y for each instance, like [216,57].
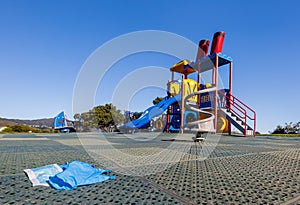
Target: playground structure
[62,124]
[192,106]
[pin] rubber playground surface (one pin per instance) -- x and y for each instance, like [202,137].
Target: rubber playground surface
[264,170]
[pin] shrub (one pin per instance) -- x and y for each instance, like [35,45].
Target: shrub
[45,131]
[7,130]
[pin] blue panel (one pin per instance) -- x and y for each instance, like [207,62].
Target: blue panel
[175,121]
[60,120]
[176,109]
[208,62]
[224,57]
[205,100]
[190,116]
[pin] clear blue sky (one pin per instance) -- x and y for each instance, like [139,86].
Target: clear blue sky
[45,43]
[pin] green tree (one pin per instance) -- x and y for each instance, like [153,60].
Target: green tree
[136,115]
[77,117]
[88,120]
[288,128]
[103,117]
[157,100]
[291,128]
[278,130]
[108,116]
[297,127]
[78,121]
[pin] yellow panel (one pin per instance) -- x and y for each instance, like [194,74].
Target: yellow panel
[222,122]
[190,86]
[174,88]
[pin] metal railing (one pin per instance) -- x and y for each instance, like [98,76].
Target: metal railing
[240,109]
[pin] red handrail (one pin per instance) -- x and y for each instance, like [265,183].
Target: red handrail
[231,101]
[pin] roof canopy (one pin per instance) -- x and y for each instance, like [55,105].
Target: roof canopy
[206,63]
[183,67]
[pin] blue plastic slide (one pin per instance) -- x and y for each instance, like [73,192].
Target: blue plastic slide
[150,113]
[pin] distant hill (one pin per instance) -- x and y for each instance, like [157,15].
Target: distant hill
[46,122]
[5,122]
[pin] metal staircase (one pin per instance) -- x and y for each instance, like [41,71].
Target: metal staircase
[238,114]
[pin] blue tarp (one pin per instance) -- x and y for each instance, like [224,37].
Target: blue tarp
[69,176]
[77,174]
[40,175]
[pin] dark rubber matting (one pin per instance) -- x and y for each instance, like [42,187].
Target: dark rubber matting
[238,171]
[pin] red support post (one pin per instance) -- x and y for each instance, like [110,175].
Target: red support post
[168,120]
[230,92]
[216,93]
[199,82]
[213,73]
[182,105]
[254,125]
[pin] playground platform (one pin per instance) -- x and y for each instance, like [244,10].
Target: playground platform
[264,170]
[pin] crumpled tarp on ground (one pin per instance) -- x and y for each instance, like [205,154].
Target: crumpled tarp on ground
[40,175]
[68,176]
